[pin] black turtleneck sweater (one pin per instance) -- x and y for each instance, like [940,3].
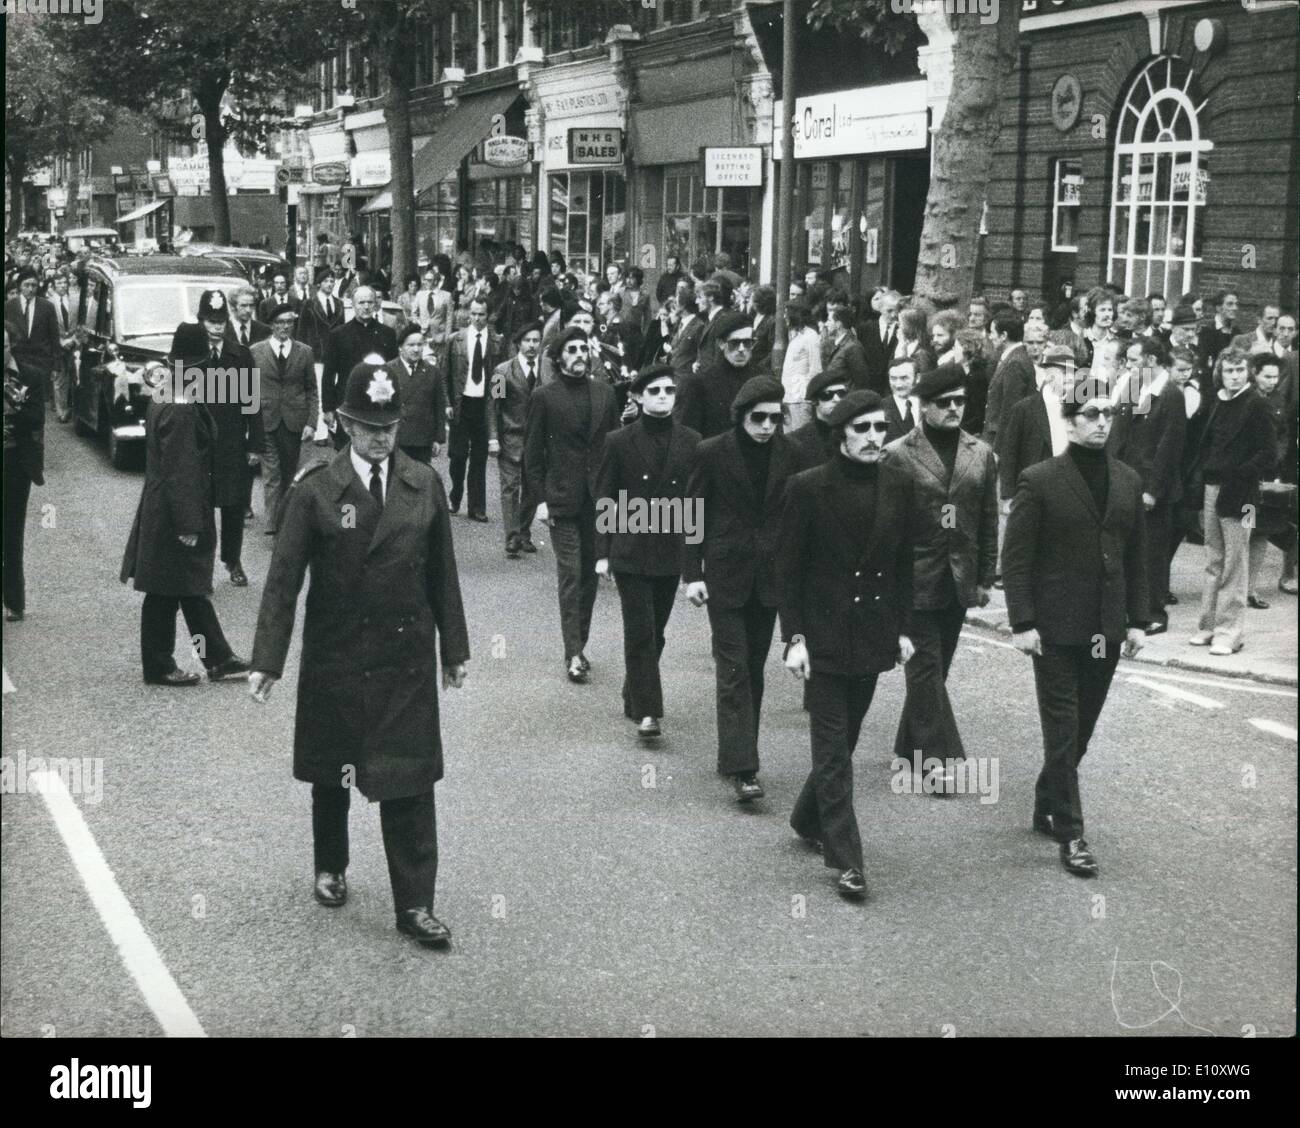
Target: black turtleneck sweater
[757,458]
[660,431]
[579,390]
[1091,464]
[860,504]
[944,443]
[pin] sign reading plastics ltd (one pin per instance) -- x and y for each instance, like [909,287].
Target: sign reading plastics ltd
[595,146]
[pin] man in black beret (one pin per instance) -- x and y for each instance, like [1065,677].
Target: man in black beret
[373,527]
[740,478]
[704,399]
[846,612]
[814,440]
[955,549]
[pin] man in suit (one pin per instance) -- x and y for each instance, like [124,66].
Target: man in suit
[382,584]
[290,404]
[843,356]
[475,351]
[1074,564]
[319,317]
[901,408]
[1035,429]
[513,384]
[815,442]
[244,330]
[846,612]
[643,473]
[879,340]
[686,341]
[740,477]
[567,421]
[348,344]
[1013,379]
[764,324]
[169,554]
[1217,335]
[435,310]
[65,311]
[278,296]
[955,548]
[424,397]
[300,291]
[24,467]
[705,398]
[712,301]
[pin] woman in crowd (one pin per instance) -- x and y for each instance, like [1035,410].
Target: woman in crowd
[969,352]
[803,360]
[407,299]
[658,347]
[911,339]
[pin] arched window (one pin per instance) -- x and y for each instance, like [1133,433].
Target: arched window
[1161,175]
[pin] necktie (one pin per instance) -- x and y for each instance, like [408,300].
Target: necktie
[329,308]
[63,311]
[243,335]
[532,376]
[376,484]
[216,355]
[477,374]
[281,356]
[27,314]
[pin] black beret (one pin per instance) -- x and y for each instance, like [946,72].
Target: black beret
[572,333]
[284,309]
[649,373]
[939,381]
[854,404]
[729,320]
[526,328]
[757,389]
[826,378]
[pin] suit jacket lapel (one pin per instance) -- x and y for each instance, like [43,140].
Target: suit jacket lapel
[738,471]
[776,469]
[929,457]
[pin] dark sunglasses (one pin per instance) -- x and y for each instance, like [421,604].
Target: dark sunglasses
[742,343]
[576,348]
[1092,414]
[880,427]
[951,401]
[660,390]
[831,394]
[760,417]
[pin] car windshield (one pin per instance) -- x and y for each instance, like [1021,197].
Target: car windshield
[147,308]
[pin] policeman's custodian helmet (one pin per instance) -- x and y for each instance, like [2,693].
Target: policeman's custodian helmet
[372,396]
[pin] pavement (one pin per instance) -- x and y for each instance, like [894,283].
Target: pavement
[1270,655]
[597,886]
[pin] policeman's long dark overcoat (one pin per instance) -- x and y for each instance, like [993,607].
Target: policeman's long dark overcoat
[382,581]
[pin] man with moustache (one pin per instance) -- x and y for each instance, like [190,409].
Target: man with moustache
[740,478]
[846,612]
[347,346]
[513,384]
[815,441]
[373,529]
[955,547]
[704,399]
[1074,564]
[645,464]
[567,421]
[424,397]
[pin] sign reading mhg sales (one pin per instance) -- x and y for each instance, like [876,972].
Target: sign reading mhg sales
[595,146]
[735,166]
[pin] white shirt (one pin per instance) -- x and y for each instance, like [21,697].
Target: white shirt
[906,404]
[363,468]
[479,390]
[1055,420]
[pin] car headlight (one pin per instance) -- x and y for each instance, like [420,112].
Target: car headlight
[155,374]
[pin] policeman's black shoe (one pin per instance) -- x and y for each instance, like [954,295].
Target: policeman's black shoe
[747,787]
[1257,604]
[648,729]
[237,576]
[425,927]
[232,668]
[1043,825]
[175,678]
[479,517]
[852,884]
[526,543]
[576,673]
[331,889]
[1078,859]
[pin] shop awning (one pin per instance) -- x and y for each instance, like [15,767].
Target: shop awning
[141,212]
[458,133]
[382,202]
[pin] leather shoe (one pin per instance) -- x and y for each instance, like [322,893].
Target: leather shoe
[1201,638]
[453,505]
[481,517]
[331,889]
[1078,859]
[586,666]
[648,728]
[512,548]
[233,667]
[1170,600]
[12,616]
[237,576]
[852,884]
[1043,825]
[1224,649]
[1157,628]
[527,545]
[425,927]
[747,787]
[576,673]
[812,843]
[1255,603]
[175,678]
[1288,586]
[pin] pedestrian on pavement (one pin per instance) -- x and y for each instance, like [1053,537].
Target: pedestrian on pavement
[740,478]
[704,397]
[1237,450]
[287,378]
[955,545]
[1074,564]
[424,397]
[644,516]
[169,554]
[1013,379]
[24,467]
[475,351]
[372,527]
[1275,520]
[567,421]
[846,613]
[513,384]
[686,339]
[815,441]
[347,345]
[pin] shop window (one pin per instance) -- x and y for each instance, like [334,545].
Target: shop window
[702,221]
[1161,178]
[588,218]
[1067,193]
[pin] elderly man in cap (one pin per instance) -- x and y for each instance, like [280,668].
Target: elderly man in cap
[704,399]
[513,384]
[1035,429]
[373,527]
[347,346]
[567,422]
[287,378]
[1074,563]
[955,548]
[815,441]
[846,612]
[740,478]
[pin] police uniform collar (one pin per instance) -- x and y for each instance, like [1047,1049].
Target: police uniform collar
[342,472]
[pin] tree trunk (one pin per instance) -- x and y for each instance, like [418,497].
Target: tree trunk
[17,173]
[402,181]
[962,159]
[72,213]
[215,136]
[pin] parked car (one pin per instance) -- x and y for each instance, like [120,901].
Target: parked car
[127,313]
[90,238]
[257,266]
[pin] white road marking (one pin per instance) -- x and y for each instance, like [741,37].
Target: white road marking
[1275,727]
[1175,692]
[138,953]
[9,686]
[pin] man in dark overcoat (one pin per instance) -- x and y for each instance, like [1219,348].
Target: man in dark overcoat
[424,397]
[373,528]
[347,345]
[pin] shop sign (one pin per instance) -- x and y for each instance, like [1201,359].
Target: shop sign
[595,146]
[505,151]
[371,169]
[872,119]
[330,173]
[735,166]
